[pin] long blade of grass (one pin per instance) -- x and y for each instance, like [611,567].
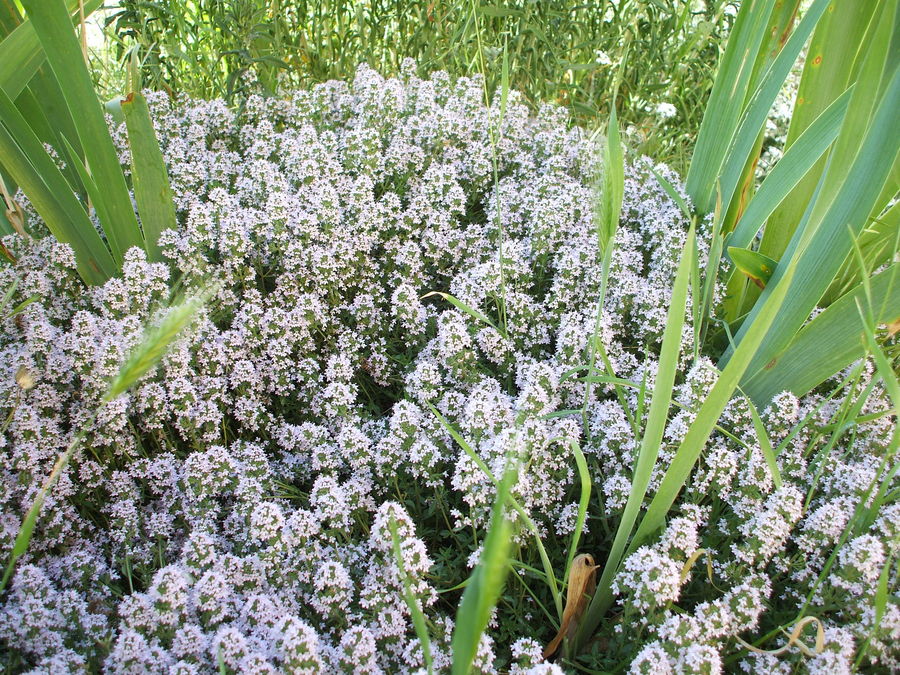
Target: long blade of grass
[31,167]
[822,245]
[754,118]
[653,433]
[830,63]
[53,26]
[550,577]
[151,180]
[765,444]
[486,582]
[418,618]
[800,157]
[726,101]
[827,344]
[21,54]
[695,440]
[690,448]
[584,478]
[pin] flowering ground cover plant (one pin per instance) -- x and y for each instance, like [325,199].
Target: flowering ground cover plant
[306,481]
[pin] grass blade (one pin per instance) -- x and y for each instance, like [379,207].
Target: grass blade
[754,117]
[418,618]
[151,180]
[53,26]
[828,71]
[821,247]
[726,101]
[21,54]
[485,583]
[653,433]
[827,344]
[31,167]
[798,160]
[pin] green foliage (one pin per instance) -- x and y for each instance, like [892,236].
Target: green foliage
[557,51]
[651,439]
[56,104]
[486,582]
[851,124]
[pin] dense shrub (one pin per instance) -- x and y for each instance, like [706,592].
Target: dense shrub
[235,510]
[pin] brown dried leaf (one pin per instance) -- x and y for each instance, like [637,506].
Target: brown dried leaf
[582,584]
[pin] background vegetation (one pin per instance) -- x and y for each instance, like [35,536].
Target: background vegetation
[560,51]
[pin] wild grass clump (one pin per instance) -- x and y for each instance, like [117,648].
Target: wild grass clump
[350,458]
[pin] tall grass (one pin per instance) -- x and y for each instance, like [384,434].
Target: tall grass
[559,51]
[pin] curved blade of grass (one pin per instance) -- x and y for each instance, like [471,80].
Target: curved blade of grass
[474,313]
[653,433]
[550,577]
[726,101]
[757,110]
[151,180]
[53,26]
[765,443]
[415,611]
[584,478]
[486,582]
[38,176]
[799,159]
[827,344]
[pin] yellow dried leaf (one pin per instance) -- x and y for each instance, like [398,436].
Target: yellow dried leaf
[582,584]
[893,327]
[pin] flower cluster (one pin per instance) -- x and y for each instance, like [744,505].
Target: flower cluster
[274,495]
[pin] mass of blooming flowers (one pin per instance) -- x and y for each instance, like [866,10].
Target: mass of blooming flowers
[269,498]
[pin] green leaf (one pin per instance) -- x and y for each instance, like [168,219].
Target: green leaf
[726,101]
[418,618]
[584,478]
[845,198]
[827,344]
[765,444]
[485,583]
[829,69]
[52,197]
[698,433]
[152,193]
[756,266]
[21,54]
[652,437]
[53,26]
[474,313]
[754,117]
[529,523]
[790,170]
